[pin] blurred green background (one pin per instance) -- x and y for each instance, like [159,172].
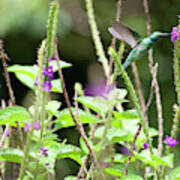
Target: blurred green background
[23,26]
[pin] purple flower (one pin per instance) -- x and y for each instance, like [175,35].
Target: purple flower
[145,145]
[47,86]
[37,81]
[47,165]
[51,58]
[37,125]
[7,133]
[50,73]
[26,127]
[174,34]
[44,73]
[170,141]
[43,151]
[97,89]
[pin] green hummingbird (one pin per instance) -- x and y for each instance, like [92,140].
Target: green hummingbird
[139,46]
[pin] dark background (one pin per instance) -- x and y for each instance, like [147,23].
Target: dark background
[23,26]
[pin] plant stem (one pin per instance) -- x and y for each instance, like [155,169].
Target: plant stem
[133,96]
[26,155]
[132,149]
[156,85]
[176,119]
[43,114]
[50,31]
[96,38]
[78,125]
[113,44]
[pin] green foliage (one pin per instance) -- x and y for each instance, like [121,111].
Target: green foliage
[70,151]
[65,120]
[11,155]
[153,160]
[118,170]
[114,135]
[108,124]
[10,115]
[175,174]
[101,105]
[27,75]
[132,177]
[71,178]
[52,107]
[84,146]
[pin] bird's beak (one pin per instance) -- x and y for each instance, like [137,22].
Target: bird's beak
[165,34]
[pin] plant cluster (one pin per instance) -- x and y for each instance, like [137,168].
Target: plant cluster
[119,142]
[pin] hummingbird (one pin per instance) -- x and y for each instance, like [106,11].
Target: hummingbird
[139,46]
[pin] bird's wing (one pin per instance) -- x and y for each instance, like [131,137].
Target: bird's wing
[124,33]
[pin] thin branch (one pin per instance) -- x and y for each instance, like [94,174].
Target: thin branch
[81,170]
[118,15]
[152,88]
[157,93]
[132,149]
[140,92]
[4,58]
[4,136]
[3,105]
[78,126]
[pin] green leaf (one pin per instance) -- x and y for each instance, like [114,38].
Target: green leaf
[12,114]
[124,119]
[175,174]
[56,86]
[118,170]
[53,106]
[126,115]
[29,176]
[121,158]
[26,74]
[153,160]
[132,177]
[114,135]
[142,138]
[69,151]
[29,70]
[63,64]
[84,146]
[118,94]
[42,176]
[165,160]
[71,178]
[65,120]
[11,155]
[97,104]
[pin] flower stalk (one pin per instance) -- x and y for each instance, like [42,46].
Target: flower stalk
[132,94]
[96,38]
